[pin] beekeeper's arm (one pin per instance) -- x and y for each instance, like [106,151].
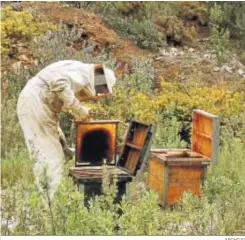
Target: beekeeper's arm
[65,93]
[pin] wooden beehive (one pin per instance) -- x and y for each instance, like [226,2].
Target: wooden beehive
[96,141]
[173,171]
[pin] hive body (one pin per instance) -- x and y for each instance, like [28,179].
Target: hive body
[171,172]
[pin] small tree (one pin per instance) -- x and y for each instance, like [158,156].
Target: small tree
[219,35]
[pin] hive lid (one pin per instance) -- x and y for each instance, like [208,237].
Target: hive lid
[205,134]
[179,157]
[136,148]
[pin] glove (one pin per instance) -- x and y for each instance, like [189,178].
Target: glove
[80,112]
[69,153]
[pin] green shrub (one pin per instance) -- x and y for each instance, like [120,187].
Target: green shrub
[175,31]
[10,129]
[194,11]
[143,32]
[219,35]
[168,131]
[233,19]
[133,20]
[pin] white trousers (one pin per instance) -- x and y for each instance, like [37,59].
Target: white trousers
[40,128]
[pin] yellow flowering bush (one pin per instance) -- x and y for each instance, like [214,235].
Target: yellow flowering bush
[129,103]
[133,104]
[217,100]
[145,107]
[17,25]
[174,101]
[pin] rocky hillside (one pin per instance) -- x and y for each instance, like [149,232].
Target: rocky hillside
[183,52]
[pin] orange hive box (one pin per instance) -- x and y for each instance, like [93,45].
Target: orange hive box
[174,171]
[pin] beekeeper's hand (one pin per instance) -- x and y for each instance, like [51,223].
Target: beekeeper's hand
[80,112]
[69,153]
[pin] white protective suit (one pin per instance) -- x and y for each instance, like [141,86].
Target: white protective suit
[52,90]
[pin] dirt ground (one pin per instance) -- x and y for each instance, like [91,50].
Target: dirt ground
[98,32]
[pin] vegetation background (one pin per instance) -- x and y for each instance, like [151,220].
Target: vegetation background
[173,57]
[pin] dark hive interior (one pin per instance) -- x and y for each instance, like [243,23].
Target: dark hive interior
[95,147]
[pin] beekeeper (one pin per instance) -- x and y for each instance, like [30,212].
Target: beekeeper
[58,87]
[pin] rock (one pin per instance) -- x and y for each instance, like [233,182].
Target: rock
[191,50]
[227,69]
[181,53]
[174,51]
[240,72]
[207,56]
[163,52]
[204,39]
[159,58]
[216,69]
[17,6]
